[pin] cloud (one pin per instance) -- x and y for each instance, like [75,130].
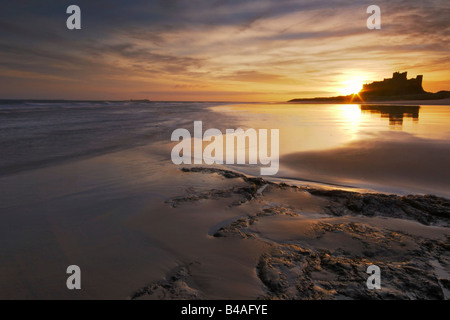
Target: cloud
[256,76]
[242,45]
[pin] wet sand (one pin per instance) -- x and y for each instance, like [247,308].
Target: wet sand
[140,227]
[388,162]
[317,243]
[211,233]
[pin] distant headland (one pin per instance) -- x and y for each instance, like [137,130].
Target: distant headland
[397,88]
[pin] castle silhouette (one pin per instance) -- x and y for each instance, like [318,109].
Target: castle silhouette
[398,85]
[397,88]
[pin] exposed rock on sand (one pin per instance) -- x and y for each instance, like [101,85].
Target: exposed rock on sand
[239,227]
[291,272]
[324,254]
[247,193]
[426,209]
[177,285]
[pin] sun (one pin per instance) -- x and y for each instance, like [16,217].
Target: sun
[351,86]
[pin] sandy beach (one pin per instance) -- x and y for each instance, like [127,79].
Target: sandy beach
[141,227]
[217,234]
[239,156]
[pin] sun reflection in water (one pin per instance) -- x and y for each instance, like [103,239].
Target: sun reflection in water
[351,118]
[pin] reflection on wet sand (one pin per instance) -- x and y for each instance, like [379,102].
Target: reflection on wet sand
[394,113]
[390,161]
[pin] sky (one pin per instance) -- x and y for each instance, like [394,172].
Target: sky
[217,50]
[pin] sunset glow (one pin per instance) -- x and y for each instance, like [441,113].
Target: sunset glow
[225,151]
[217,51]
[351,86]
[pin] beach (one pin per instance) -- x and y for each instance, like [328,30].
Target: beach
[93,185]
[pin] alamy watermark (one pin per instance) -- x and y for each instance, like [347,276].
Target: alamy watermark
[374,21]
[74,20]
[374,281]
[74,280]
[235,146]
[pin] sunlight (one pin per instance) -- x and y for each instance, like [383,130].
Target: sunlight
[351,113]
[351,86]
[351,116]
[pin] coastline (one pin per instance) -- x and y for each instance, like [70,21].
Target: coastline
[437,102]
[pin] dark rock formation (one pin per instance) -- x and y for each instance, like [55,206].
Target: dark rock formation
[177,285]
[330,259]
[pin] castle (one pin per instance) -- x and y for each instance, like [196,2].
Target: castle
[397,88]
[398,85]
